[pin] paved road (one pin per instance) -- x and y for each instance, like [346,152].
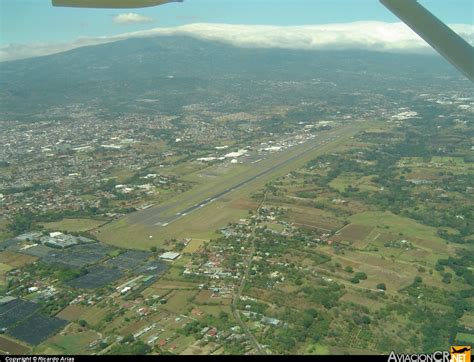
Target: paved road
[237,295]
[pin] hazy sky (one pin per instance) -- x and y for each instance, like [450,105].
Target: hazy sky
[33,21]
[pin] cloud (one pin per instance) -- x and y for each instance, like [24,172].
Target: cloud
[24,51]
[131,19]
[374,36]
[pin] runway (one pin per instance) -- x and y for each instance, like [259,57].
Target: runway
[168,213]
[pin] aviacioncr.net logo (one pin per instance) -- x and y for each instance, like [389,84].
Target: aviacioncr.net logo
[438,356]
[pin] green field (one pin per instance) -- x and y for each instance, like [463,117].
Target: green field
[312,217]
[362,183]
[4,268]
[465,337]
[4,232]
[74,225]
[74,340]
[9,345]
[449,161]
[72,343]
[179,301]
[194,245]
[388,222]
[317,349]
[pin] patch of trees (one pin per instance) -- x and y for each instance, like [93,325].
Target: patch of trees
[21,223]
[460,265]
[234,348]
[326,296]
[257,307]
[128,346]
[454,238]
[66,274]
[308,325]
[361,319]
[33,188]
[437,329]
[192,328]
[381,286]
[358,277]
[319,259]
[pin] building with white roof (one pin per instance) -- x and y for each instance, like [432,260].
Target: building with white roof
[169,255]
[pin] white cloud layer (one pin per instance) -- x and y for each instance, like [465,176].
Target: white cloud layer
[131,19]
[375,36]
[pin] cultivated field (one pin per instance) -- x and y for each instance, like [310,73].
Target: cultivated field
[16,260]
[311,217]
[179,301]
[12,347]
[73,225]
[73,341]
[72,312]
[4,232]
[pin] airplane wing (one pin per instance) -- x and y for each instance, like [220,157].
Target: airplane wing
[115,4]
[444,40]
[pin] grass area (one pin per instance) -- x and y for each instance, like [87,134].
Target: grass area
[215,310]
[73,225]
[203,296]
[175,284]
[150,147]
[95,314]
[355,296]
[197,350]
[4,268]
[128,327]
[362,183]
[181,169]
[465,337]
[16,260]
[74,342]
[4,232]
[72,312]
[174,273]
[449,161]
[468,319]
[179,300]
[389,222]
[394,271]
[275,227]
[312,217]
[429,247]
[317,350]
[122,175]
[11,346]
[354,232]
[199,225]
[181,343]
[88,197]
[48,349]
[378,270]
[194,245]
[363,243]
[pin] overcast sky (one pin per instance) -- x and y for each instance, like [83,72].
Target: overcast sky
[35,27]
